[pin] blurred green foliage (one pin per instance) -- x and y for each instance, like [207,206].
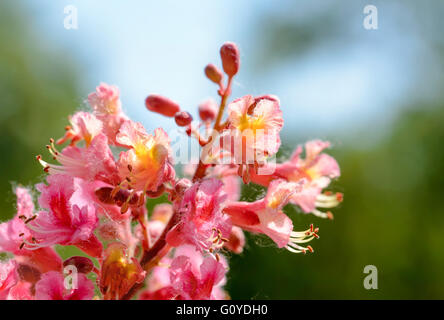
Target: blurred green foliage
[38,89]
[392,216]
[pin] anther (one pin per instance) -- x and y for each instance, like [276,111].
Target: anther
[124,208]
[30,219]
[339,196]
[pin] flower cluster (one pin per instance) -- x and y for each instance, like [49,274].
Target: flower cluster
[106,168]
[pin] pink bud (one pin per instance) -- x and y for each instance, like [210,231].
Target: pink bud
[183,118]
[182,185]
[162,105]
[155,194]
[213,73]
[229,54]
[208,110]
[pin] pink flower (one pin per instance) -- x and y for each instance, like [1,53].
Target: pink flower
[187,275]
[195,282]
[14,234]
[84,126]
[202,222]
[64,223]
[105,100]
[52,287]
[8,277]
[95,162]
[107,108]
[318,169]
[255,124]
[254,114]
[147,164]
[266,216]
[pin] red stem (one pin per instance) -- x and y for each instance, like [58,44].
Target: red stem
[201,168]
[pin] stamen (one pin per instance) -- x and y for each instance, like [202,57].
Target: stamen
[324,215]
[299,237]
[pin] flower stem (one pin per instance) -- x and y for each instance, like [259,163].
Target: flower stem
[201,168]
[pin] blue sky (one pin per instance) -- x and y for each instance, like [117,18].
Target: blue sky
[162,46]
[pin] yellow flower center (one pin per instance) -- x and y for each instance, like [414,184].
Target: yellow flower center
[250,122]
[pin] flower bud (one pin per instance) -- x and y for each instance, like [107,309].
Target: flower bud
[213,73]
[208,110]
[162,105]
[156,194]
[83,264]
[229,54]
[182,185]
[183,118]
